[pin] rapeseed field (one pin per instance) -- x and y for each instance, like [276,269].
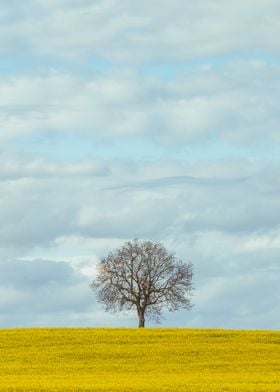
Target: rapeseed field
[139,360]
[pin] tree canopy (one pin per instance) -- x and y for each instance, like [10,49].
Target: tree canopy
[144,276]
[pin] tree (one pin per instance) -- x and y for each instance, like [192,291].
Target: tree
[142,275]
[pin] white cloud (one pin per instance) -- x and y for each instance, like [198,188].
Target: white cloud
[261,242]
[144,32]
[236,103]
[44,201]
[15,168]
[42,288]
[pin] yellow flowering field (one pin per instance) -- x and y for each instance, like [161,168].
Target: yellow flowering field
[155,359]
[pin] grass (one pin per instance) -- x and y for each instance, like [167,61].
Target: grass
[139,360]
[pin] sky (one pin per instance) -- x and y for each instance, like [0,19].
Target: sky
[156,120]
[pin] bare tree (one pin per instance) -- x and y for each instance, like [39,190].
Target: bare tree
[142,275]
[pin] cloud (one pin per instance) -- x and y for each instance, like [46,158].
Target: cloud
[48,293]
[249,307]
[22,167]
[235,103]
[69,103]
[262,242]
[129,32]
[47,200]
[42,287]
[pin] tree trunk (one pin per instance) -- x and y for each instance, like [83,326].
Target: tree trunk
[141,318]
